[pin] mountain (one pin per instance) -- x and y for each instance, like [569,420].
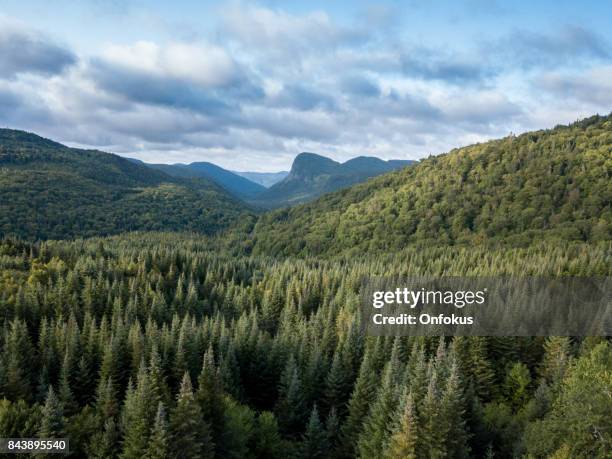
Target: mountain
[266,179]
[312,175]
[51,191]
[543,185]
[238,186]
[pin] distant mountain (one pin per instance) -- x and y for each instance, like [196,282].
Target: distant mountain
[240,187]
[48,190]
[266,179]
[548,185]
[312,175]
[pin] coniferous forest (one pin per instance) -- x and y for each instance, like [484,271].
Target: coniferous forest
[247,343]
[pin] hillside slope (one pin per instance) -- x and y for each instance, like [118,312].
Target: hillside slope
[548,184]
[48,190]
[237,185]
[312,175]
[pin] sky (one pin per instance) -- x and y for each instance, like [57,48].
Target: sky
[250,85]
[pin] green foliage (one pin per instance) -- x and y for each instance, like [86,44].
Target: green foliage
[312,175]
[580,422]
[314,444]
[101,338]
[189,432]
[52,191]
[543,185]
[52,417]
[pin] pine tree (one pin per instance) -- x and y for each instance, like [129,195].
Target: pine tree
[291,406]
[104,445]
[268,442]
[190,435]
[452,413]
[52,417]
[210,397]
[314,444]
[480,369]
[378,423]
[138,414]
[159,387]
[358,406]
[159,443]
[432,435]
[403,442]
[332,432]
[556,359]
[16,367]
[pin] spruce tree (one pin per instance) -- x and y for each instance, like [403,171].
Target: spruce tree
[378,423]
[190,435]
[314,443]
[52,424]
[159,443]
[360,401]
[210,397]
[268,442]
[290,407]
[403,442]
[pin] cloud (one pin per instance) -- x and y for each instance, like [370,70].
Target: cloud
[200,77]
[281,35]
[360,85]
[267,84]
[593,87]
[26,51]
[202,64]
[564,46]
[430,64]
[304,98]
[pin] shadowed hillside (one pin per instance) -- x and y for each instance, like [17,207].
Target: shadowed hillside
[52,191]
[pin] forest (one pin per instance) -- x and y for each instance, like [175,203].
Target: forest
[161,345]
[189,326]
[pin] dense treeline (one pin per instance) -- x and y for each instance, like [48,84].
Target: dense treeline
[49,191]
[553,185]
[160,345]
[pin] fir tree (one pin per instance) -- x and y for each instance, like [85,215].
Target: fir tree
[190,435]
[159,443]
[403,442]
[52,424]
[314,444]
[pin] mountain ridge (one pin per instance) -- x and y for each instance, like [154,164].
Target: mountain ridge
[547,184]
[237,185]
[51,191]
[312,175]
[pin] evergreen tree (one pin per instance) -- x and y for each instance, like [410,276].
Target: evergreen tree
[291,406]
[210,397]
[52,424]
[159,443]
[314,444]
[190,435]
[378,423]
[358,406]
[556,359]
[268,442]
[403,442]
[138,416]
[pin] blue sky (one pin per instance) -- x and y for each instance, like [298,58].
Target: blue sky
[249,85]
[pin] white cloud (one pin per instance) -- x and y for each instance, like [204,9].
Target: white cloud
[203,64]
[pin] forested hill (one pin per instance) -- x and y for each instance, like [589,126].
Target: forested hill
[48,190]
[312,175]
[548,184]
[235,184]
